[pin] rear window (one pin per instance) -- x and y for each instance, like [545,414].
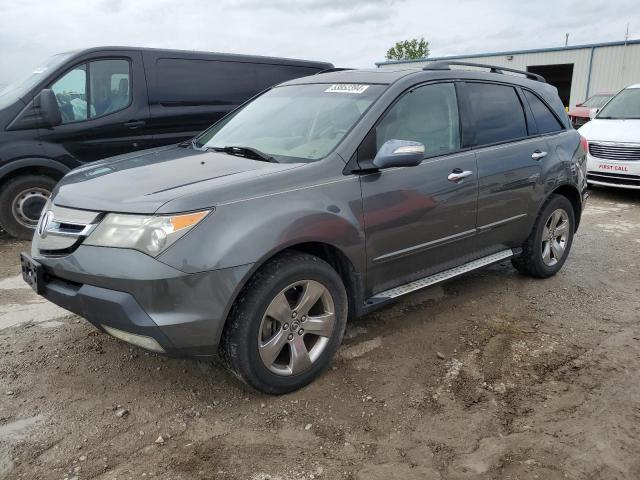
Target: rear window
[545,119]
[182,82]
[497,113]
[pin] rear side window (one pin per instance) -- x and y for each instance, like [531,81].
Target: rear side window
[497,113]
[545,119]
[185,82]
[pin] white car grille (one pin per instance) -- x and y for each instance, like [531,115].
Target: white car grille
[622,152]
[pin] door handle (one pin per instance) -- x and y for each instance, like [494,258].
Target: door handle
[457,175]
[538,154]
[133,124]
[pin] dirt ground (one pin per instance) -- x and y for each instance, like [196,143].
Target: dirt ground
[492,375]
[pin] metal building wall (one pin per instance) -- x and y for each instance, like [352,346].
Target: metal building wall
[613,67]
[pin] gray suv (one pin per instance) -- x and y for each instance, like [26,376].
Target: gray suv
[321,199]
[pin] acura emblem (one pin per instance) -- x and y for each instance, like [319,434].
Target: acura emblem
[45,222]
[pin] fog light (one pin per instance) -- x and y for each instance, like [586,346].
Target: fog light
[147,343]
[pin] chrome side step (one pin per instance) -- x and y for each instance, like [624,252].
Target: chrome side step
[441,276]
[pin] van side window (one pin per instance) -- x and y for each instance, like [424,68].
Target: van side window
[110,86]
[545,119]
[428,115]
[108,83]
[71,94]
[192,82]
[497,113]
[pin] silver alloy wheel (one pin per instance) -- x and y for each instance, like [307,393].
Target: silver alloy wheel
[555,237]
[28,205]
[296,327]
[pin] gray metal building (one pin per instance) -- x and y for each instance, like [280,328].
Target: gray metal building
[577,71]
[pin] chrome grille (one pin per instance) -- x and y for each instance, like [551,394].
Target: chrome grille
[624,152]
[63,230]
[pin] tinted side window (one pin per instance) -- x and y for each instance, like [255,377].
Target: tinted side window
[428,115]
[545,119]
[183,82]
[110,86]
[269,75]
[497,113]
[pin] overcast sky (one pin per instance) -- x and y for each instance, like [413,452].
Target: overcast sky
[353,33]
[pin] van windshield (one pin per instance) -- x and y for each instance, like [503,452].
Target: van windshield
[295,122]
[21,87]
[624,106]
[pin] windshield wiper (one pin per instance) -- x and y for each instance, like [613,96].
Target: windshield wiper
[246,152]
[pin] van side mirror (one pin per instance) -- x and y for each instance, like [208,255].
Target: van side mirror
[593,112]
[48,107]
[399,153]
[41,112]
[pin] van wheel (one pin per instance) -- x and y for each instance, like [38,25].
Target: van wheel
[547,248]
[286,325]
[21,202]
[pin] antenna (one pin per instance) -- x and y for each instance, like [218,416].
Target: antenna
[626,35]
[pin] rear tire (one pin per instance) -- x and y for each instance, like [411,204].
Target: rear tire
[279,337]
[21,202]
[548,246]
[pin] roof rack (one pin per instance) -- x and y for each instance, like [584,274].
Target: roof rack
[335,69]
[446,65]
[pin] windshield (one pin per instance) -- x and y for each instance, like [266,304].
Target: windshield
[294,123]
[625,105]
[19,88]
[597,101]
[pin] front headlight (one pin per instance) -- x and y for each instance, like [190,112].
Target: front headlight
[148,234]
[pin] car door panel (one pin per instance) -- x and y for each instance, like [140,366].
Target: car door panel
[415,218]
[111,133]
[508,178]
[509,162]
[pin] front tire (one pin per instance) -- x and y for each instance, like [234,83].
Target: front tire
[286,325]
[21,202]
[547,248]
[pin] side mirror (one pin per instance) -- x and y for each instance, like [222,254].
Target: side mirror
[593,112]
[41,112]
[399,153]
[48,108]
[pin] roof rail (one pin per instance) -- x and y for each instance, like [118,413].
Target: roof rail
[446,65]
[335,69]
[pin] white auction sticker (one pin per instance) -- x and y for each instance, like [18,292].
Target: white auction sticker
[346,88]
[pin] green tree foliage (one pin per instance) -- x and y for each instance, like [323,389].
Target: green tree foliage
[409,50]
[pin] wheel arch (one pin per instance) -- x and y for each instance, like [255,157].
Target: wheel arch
[572,194]
[331,254]
[33,166]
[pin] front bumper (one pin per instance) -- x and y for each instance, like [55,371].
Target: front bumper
[136,294]
[609,173]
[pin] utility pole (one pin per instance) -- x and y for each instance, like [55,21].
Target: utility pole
[626,35]
[566,39]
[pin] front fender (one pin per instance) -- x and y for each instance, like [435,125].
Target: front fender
[253,230]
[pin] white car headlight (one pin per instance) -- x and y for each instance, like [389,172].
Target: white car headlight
[148,234]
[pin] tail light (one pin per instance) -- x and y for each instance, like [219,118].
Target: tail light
[584,143]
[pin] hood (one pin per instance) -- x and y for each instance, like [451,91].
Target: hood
[580,112]
[144,181]
[622,131]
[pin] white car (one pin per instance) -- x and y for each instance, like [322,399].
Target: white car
[613,137]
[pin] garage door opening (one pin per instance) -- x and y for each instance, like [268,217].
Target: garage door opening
[557,75]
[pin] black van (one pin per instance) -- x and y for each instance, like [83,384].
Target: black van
[96,103]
